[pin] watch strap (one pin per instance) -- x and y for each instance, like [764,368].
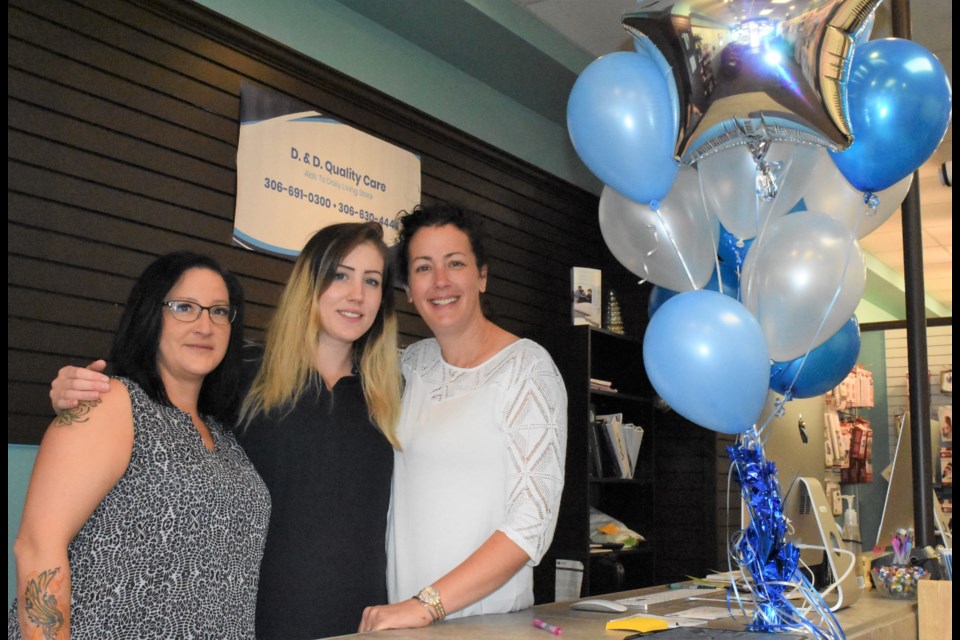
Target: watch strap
[430,596]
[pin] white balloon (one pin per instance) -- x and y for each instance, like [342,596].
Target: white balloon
[829,192]
[805,270]
[729,185]
[675,248]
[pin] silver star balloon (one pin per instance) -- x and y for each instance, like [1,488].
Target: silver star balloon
[749,70]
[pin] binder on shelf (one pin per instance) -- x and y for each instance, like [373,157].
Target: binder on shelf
[632,438]
[594,444]
[613,424]
[610,459]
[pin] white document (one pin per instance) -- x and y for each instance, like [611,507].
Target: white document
[569,580]
[632,437]
[707,613]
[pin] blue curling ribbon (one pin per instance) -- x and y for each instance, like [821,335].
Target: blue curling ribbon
[762,553]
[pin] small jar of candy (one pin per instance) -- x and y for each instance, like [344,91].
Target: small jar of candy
[898,581]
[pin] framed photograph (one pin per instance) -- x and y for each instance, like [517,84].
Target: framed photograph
[586,295]
[946,381]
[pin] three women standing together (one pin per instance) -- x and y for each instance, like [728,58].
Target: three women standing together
[476,456]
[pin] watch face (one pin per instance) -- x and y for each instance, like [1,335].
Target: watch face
[430,596]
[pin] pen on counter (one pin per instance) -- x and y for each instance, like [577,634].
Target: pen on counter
[722,599]
[552,628]
[695,585]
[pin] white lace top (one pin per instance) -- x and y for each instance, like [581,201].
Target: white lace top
[483,450]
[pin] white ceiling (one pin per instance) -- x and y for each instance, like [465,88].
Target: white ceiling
[594,26]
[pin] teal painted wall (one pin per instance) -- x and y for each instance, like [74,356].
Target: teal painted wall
[350,43]
[19,464]
[341,38]
[870,497]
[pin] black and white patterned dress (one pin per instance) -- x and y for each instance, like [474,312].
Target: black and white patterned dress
[174,549]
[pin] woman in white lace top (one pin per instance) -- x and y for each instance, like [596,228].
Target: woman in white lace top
[476,488]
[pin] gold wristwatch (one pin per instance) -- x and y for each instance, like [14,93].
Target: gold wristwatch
[430,596]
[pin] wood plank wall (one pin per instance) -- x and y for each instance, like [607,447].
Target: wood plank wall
[122,132]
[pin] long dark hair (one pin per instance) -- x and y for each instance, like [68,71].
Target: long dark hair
[135,345]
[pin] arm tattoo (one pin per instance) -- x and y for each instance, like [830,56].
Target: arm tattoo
[80,414]
[41,607]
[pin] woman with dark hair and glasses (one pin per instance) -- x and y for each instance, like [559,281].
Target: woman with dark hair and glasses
[144,517]
[318,419]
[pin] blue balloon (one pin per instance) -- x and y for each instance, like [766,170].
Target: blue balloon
[825,367]
[899,102]
[728,250]
[643,45]
[800,206]
[620,121]
[731,287]
[706,357]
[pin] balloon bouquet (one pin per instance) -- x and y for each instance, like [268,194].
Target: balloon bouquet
[743,157]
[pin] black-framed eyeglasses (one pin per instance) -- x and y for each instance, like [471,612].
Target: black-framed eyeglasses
[187,311]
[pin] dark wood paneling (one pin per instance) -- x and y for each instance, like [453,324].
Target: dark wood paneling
[121,137]
[69,77]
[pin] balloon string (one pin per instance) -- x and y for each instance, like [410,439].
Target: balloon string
[655,205]
[762,224]
[872,201]
[715,241]
[779,409]
[745,287]
[836,295]
[771,610]
[656,244]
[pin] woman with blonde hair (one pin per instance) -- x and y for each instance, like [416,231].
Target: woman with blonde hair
[318,423]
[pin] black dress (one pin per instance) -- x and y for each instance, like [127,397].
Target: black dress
[328,469]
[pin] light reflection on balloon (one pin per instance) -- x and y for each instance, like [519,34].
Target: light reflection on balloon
[802,281]
[727,88]
[820,370]
[619,118]
[705,356]
[900,107]
[673,245]
[728,180]
[829,192]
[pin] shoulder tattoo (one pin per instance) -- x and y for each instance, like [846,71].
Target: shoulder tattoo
[81,413]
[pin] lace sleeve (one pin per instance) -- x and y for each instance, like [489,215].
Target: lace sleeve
[535,425]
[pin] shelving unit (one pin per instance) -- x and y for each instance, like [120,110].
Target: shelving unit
[944,484]
[671,498]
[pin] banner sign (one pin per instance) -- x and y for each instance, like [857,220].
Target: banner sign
[302,171]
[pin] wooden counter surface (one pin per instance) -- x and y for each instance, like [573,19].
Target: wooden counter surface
[872,617]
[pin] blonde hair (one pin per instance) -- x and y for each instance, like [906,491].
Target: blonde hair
[292,336]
